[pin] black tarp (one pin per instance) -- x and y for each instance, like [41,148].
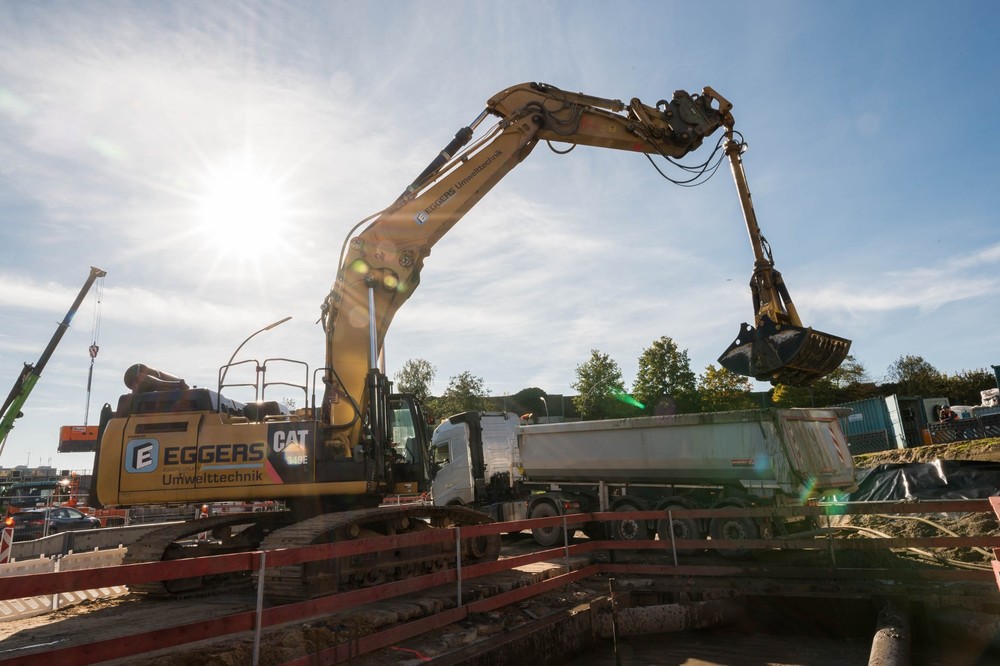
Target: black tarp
[938,480]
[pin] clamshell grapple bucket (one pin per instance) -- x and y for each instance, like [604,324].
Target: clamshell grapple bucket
[780,350]
[784,354]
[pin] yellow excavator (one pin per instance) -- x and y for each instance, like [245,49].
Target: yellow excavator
[333,463]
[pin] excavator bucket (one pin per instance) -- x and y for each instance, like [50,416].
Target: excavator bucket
[784,354]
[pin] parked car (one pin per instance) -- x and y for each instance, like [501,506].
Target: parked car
[36,523]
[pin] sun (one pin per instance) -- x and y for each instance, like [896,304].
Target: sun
[242,209]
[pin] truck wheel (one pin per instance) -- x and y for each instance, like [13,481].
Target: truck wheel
[630,529]
[546,537]
[682,528]
[732,529]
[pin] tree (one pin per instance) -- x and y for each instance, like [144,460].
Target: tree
[721,390]
[851,382]
[963,388]
[529,400]
[416,377]
[913,376]
[847,383]
[465,393]
[600,389]
[665,375]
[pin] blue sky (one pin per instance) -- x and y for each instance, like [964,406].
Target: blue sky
[213,156]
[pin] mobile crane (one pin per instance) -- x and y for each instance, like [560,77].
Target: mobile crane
[334,463]
[30,374]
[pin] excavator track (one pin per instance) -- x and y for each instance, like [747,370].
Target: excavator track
[313,579]
[216,535]
[269,531]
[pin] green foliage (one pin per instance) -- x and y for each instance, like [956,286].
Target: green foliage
[848,383]
[465,393]
[721,390]
[416,377]
[598,385]
[963,388]
[851,382]
[665,376]
[913,376]
[529,401]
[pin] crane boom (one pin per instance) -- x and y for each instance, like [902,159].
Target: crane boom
[30,373]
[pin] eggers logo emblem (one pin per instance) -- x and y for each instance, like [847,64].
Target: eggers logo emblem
[142,455]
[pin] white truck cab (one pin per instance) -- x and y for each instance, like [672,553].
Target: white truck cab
[453,482]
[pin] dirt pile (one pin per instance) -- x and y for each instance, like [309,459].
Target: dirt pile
[977,449]
[972,524]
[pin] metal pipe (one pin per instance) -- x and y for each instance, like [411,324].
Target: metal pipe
[891,643]
[258,618]
[668,618]
[458,564]
[372,332]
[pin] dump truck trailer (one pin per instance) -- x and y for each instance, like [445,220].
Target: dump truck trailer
[772,457]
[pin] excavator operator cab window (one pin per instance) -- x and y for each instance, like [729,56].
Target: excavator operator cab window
[404,431]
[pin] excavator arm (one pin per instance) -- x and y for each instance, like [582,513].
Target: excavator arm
[380,263]
[779,349]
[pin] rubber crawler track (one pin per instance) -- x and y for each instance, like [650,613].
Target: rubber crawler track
[270,531]
[300,582]
[162,544]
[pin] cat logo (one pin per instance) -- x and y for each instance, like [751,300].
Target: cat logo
[281,439]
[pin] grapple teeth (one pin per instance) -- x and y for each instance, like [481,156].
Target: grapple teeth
[784,354]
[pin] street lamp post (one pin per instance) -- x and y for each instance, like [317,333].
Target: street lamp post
[249,337]
[542,398]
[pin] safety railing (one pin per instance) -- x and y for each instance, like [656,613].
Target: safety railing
[965,429]
[262,618]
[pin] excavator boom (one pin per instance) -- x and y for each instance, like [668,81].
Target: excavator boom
[380,266]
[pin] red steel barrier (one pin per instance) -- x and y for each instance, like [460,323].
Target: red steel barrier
[121,647]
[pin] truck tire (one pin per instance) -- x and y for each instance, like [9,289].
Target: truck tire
[630,529]
[682,528]
[733,529]
[546,537]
